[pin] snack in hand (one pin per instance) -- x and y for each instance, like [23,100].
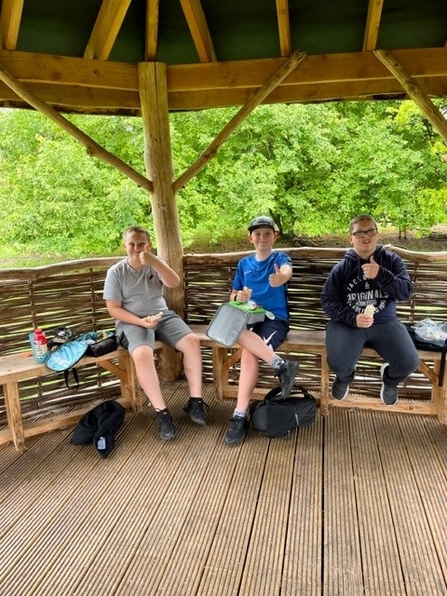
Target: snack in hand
[369,310]
[153,318]
[247,292]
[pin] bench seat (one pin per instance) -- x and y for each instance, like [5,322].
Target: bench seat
[29,296]
[313,342]
[18,367]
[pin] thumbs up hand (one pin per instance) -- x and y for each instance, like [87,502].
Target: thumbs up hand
[277,278]
[371,269]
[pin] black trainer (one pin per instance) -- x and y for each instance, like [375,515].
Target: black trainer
[196,410]
[339,390]
[237,430]
[388,393]
[166,425]
[287,373]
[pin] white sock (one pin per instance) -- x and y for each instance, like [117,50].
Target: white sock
[276,361]
[239,413]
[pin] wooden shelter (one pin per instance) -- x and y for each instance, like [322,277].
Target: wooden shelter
[352,505]
[148,58]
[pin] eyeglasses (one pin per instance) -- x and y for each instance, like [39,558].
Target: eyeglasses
[362,233]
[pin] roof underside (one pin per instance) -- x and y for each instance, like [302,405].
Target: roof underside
[83,56]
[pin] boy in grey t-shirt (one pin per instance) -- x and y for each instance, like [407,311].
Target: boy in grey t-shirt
[133,292]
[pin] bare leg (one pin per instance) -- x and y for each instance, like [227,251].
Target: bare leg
[247,379]
[256,345]
[192,363]
[143,358]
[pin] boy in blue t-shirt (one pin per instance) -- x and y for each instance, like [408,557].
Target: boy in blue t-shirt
[261,277]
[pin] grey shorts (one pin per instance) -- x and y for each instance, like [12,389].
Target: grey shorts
[170,329]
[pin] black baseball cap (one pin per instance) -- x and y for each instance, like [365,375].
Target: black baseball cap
[262,221]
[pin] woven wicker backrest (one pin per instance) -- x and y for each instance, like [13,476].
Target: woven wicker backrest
[208,283]
[71,294]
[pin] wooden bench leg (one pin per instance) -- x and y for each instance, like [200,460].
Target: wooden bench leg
[439,394]
[222,362]
[125,372]
[129,383]
[14,414]
[324,388]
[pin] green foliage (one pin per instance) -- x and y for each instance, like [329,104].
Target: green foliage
[311,167]
[57,199]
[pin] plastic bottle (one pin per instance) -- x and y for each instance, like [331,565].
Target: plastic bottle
[40,347]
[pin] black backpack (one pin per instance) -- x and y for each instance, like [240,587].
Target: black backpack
[274,417]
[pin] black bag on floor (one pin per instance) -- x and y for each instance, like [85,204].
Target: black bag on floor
[99,426]
[274,417]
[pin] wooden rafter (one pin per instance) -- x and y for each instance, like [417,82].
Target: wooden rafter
[251,104]
[423,102]
[375,8]
[92,146]
[198,27]
[110,18]
[100,86]
[10,18]
[282,12]
[152,12]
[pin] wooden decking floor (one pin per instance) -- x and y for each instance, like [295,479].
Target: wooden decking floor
[352,505]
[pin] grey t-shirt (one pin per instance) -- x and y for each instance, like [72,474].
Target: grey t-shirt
[140,292]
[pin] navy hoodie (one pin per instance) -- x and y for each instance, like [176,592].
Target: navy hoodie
[347,291]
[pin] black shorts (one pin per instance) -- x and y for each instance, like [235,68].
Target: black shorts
[273,332]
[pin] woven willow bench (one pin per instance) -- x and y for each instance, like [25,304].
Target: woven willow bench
[208,280]
[17,367]
[71,294]
[299,343]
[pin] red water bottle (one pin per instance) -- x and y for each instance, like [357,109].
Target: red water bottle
[40,345]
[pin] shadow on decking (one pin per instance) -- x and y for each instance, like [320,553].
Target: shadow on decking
[353,505]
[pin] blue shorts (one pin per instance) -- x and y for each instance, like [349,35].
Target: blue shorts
[273,332]
[170,329]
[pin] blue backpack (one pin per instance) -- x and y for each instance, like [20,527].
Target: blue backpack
[64,357]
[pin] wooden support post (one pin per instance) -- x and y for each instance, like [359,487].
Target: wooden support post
[158,159]
[423,102]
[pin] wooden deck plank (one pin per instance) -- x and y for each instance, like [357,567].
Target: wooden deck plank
[303,553]
[382,572]
[192,550]
[224,568]
[264,559]
[354,504]
[342,572]
[176,509]
[49,526]
[141,497]
[418,557]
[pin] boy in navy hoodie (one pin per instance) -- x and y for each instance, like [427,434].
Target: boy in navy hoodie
[368,276]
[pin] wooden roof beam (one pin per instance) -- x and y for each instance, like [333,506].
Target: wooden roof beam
[198,27]
[152,15]
[251,104]
[282,12]
[10,18]
[58,71]
[108,23]
[414,91]
[373,18]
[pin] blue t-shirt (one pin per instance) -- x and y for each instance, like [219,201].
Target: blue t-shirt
[254,274]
